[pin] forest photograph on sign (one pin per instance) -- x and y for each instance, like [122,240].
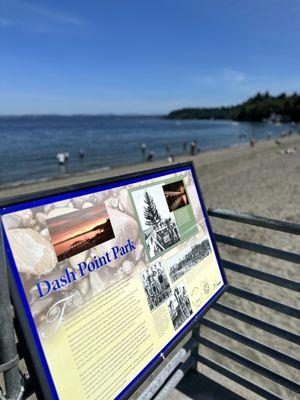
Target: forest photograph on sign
[94,270]
[164,214]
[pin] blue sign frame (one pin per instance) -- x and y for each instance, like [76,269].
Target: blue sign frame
[36,360]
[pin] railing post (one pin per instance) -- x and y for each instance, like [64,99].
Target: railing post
[195,348]
[8,349]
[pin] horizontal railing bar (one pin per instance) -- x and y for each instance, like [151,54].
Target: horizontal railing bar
[264,276]
[274,305]
[251,365]
[167,371]
[269,223]
[252,343]
[8,365]
[274,330]
[258,248]
[170,385]
[237,378]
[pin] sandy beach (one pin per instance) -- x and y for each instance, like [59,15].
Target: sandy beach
[263,180]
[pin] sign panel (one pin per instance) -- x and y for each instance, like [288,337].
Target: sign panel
[108,277]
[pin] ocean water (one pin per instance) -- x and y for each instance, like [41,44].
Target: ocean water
[29,145]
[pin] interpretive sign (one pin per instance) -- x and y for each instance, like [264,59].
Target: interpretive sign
[108,276]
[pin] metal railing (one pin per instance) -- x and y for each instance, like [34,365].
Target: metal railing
[250,320]
[255,321]
[191,353]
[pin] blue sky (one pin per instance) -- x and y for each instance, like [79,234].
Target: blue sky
[130,56]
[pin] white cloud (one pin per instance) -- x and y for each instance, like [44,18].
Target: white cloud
[32,17]
[223,76]
[53,15]
[234,76]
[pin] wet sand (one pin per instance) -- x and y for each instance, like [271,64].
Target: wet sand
[262,181]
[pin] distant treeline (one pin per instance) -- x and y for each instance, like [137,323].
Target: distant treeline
[261,107]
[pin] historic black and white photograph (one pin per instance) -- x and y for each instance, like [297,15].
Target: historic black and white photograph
[176,195]
[158,223]
[186,259]
[156,285]
[179,306]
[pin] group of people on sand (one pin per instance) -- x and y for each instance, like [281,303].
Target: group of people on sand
[171,158]
[253,139]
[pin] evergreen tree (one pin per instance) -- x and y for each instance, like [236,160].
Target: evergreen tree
[257,108]
[151,213]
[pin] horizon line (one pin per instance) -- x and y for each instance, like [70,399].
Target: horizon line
[82,115]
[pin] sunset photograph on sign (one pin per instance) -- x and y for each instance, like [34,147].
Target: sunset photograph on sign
[75,232]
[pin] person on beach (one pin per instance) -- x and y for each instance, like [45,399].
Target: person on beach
[81,153]
[168,148]
[184,145]
[151,155]
[193,147]
[143,149]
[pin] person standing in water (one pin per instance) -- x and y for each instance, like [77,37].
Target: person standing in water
[61,158]
[193,148]
[143,149]
[151,155]
[81,153]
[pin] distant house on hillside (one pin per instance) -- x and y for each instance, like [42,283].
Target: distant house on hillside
[276,118]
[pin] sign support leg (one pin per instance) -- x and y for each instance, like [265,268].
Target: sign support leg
[8,349]
[195,348]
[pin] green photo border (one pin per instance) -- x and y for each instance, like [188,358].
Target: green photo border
[141,232]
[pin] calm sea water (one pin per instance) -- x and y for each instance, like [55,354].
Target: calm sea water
[29,145]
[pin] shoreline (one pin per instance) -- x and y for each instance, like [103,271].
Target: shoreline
[112,144]
[181,157]
[40,184]
[203,161]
